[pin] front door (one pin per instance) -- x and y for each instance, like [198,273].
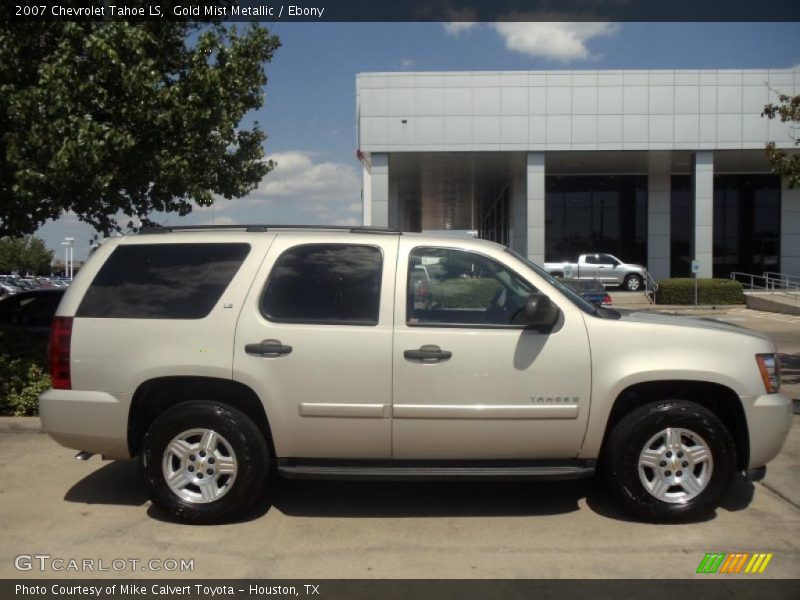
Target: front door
[469,381]
[606,269]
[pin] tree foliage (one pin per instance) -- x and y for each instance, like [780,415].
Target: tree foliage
[106,117]
[784,163]
[25,255]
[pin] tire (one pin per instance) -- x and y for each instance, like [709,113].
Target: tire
[648,485]
[215,456]
[633,283]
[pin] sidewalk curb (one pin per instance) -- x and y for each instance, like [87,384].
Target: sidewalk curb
[20,425]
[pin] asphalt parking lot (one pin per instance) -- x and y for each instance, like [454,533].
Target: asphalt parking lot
[52,504]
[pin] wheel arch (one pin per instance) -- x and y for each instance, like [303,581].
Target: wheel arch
[719,399]
[156,395]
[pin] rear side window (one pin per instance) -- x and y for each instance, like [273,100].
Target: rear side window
[325,283]
[162,281]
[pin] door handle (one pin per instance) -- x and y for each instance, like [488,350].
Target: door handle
[268,348]
[428,353]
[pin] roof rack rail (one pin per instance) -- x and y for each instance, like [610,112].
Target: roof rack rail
[263,228]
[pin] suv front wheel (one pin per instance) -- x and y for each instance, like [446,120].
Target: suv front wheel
[669,460]
[204,462]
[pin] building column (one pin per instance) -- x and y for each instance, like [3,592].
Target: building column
[658,214]
[703,188]
[535,207]
[366,194]
[376,190]
[790,229]
[518,238]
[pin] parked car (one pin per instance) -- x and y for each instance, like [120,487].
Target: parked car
[590,289]
[220,356]
[605,267]
[31,310]
[6,289]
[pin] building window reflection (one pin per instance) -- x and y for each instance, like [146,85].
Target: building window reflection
[596,214]
[747,216]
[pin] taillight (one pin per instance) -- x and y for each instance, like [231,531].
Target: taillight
[58,353]
[606,299]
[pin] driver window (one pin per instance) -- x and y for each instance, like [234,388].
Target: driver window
[456,287]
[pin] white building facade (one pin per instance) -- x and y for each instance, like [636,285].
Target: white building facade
[657,167]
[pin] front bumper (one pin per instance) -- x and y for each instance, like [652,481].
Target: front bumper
[769,420]
[94,422]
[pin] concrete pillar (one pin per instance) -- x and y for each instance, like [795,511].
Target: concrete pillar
[790,229]
[703,187]
[366,194]
[658,214]
[376,191]
[535,206]
[518,240]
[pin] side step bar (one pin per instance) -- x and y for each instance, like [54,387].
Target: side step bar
[389,470]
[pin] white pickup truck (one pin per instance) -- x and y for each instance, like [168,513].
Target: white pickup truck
[606,267]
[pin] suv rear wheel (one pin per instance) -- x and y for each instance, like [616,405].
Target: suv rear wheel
[204,462]
[669,460]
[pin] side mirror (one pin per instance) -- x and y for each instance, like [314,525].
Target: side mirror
[540,312]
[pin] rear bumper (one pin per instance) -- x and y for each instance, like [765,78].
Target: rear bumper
[769,420]
[94,422]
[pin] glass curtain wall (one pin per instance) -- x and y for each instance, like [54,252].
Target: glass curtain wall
[747,221]
[681,226]
[596,213]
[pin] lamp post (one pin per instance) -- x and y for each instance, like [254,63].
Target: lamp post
[68,254]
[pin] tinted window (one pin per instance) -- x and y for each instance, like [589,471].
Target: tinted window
[587,213]
[325,283]
[605,259]
[162,281]
[591,259]
[463,288]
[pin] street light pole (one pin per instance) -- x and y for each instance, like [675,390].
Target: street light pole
[68,242]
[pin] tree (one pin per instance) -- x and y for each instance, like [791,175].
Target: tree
[25,255]
[106,117]
[783,163]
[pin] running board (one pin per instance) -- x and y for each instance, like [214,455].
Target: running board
[406,470]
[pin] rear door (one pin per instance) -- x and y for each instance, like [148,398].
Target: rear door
[588,264]
[314,340]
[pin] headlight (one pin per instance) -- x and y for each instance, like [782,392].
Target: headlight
[770,367]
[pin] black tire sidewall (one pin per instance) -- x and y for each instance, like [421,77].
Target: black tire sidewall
[629,437]
[252,455]
[629,278]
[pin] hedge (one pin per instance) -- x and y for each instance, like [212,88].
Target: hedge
[463,292]
[23,374]
[709,291]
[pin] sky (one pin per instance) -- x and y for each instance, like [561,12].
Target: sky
[309,114]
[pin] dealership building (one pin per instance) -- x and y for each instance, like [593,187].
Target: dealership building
[656,167]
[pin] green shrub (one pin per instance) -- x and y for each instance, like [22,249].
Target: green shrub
[709,291]
[464,292]
[24,402]
[22,371]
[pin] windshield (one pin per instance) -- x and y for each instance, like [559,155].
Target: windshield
[569,293]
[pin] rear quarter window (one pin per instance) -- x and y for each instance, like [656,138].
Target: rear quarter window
[162,281]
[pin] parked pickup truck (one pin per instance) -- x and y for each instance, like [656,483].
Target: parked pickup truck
[607,268]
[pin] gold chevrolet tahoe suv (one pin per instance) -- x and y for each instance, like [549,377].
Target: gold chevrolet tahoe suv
[224,356]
